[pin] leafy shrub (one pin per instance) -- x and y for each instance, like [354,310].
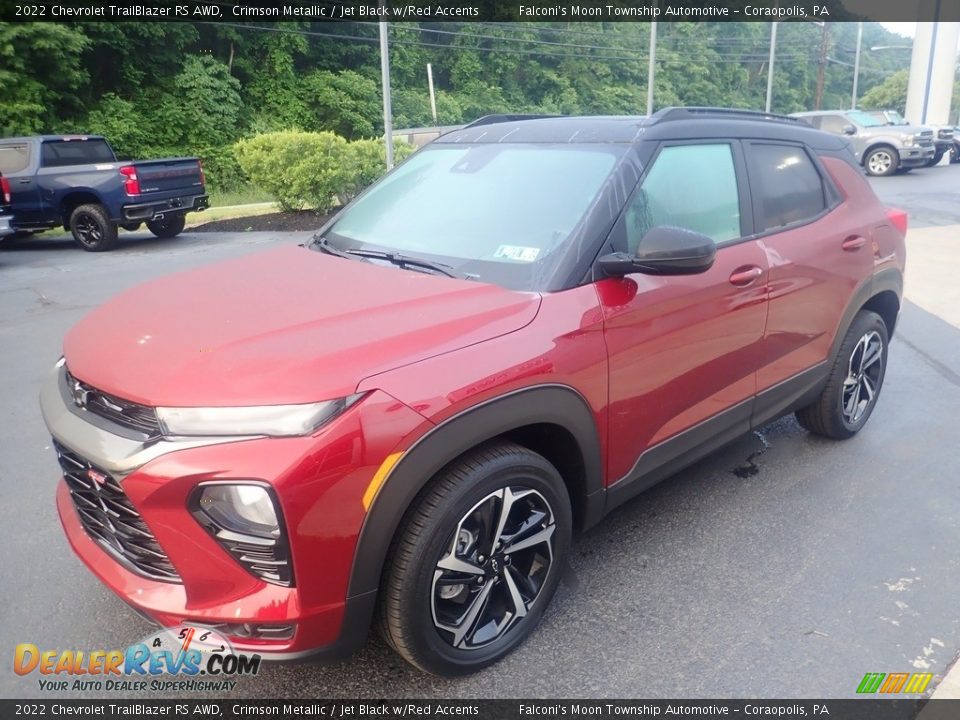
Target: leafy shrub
[319,170]
[297,168]
[222,171]
[364,162]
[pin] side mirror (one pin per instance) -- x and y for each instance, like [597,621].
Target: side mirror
[664,250]
[849,130]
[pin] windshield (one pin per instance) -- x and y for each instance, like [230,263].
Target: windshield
[492,212]
[864,120]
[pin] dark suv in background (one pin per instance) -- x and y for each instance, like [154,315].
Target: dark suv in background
[521,327]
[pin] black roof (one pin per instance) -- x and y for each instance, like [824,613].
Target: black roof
[667,124]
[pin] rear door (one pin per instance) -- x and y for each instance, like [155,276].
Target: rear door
[683,350]
[818,246]
[17,164]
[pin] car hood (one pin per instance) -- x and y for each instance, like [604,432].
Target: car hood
[285,326]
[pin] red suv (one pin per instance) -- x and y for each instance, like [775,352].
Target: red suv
[525,324]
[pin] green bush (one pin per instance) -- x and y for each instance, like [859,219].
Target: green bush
[297,168]
[222,171]
[364,162]
[318,170]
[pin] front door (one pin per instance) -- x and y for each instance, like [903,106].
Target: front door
[684,350]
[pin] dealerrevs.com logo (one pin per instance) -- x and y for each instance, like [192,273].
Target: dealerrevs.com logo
[186,658]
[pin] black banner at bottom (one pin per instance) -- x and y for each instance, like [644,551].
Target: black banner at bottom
[851,709]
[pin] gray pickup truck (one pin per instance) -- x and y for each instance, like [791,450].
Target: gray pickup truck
[76,182]
[881,148]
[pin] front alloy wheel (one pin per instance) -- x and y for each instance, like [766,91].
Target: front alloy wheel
[882,161]
[476,560]
[494,567]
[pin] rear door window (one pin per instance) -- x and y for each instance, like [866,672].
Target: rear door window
[59,153]
[14,158]
[787,186]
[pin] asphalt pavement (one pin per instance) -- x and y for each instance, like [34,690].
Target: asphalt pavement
[783,565]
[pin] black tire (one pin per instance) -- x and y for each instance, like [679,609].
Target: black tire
[441,526]
[168,226]
[840,412]
[881,161]
[130,226]
[954,154]
[937,157]
[92,229]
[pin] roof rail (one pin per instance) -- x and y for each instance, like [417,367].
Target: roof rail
[688,113]
[502,118]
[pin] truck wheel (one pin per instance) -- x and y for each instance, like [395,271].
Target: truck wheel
[882,161]
[168,226]
[476,560]
[92,229]
[937,157]
[954,154]
[853,387]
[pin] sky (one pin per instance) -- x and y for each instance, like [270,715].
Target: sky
[903,28]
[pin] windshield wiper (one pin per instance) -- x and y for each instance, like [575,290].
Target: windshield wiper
[402,261]
[405,261]
[325,246]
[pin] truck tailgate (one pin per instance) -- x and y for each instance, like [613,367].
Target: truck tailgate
[170,175]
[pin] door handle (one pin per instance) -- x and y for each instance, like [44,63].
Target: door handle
[743,276]
[854,242]
[25,181]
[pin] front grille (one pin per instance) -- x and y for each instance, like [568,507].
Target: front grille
[131,415]
[109,517]
[945,134]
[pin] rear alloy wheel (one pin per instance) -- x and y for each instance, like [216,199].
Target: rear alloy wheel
[855,381]
[477,561]
[168,226]
[881,161]
[92,229]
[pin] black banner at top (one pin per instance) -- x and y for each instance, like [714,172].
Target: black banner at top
[481,10]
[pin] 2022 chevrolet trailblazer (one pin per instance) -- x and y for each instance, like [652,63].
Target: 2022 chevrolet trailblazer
[525,324]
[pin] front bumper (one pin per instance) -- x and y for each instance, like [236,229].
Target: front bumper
[6,225]
[319,482]
[916,156]
[170,206]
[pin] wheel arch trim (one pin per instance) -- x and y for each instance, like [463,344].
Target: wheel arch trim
[553,404]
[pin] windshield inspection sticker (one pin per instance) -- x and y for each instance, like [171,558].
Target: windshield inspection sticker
[517,252]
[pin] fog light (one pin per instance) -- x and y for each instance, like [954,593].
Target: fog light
[246,520]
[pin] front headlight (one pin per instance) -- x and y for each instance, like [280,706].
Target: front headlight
[908,140]
[272,420]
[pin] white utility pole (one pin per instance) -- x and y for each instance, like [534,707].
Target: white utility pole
[385,82]
[773,51]
[433,98]
[651,68]
[856,67]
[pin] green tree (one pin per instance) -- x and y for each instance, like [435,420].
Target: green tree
[891,94]
[203,106]
[41,72]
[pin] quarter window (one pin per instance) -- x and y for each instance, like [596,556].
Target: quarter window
[787,187]
[689,186]
[834,123]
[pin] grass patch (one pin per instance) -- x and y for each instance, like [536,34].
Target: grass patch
[243,196]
